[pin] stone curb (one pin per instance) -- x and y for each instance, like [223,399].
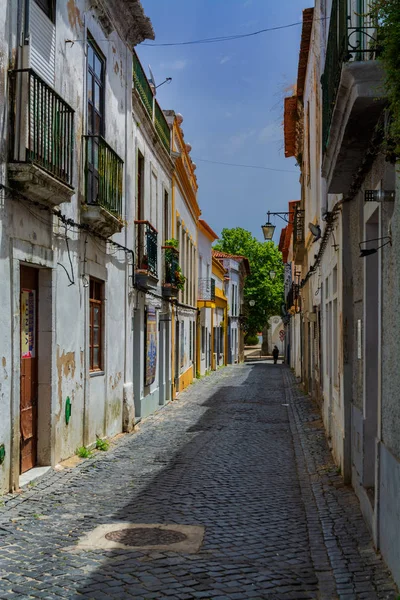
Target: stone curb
[319,555]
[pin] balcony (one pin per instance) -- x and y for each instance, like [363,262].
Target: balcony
[142,86]
[42,156]
[173,280]
[103,176]
[206,289]
[146,272]
[158,123]
[162,127]
[298,236]
[352,87]
[293,299]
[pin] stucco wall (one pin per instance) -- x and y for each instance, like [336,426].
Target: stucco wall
[391,331]
[39,239]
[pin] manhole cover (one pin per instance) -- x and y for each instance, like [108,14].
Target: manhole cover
[146,536]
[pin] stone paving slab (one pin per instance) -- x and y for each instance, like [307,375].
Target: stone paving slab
[240,453]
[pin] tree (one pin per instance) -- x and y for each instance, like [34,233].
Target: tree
[263,258]
[386,13]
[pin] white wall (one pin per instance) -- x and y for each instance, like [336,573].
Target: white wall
[36,238]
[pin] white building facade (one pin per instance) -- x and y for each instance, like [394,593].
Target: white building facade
[205,298]
[67,233]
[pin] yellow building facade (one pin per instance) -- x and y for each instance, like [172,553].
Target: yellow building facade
[205,298]
[185,215]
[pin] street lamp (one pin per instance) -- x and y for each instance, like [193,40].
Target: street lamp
[272,275]
[269,229]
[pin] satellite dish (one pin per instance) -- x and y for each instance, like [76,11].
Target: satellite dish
[315,230]
[152,81]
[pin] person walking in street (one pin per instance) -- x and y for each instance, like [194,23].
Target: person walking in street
[275,354]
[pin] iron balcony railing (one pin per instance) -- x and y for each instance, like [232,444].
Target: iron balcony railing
[352,36]
[162,126]
[104,172]
[142,85]
[143,88]
[171,266]
[146,247]
[43,126]
[206,289]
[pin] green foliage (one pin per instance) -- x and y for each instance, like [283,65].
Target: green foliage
[179,277]
[387,14]
[83,452]
[102,444]
[251,340]
[263,258]
[172,243]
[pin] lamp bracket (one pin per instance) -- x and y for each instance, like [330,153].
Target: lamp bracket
[285,216]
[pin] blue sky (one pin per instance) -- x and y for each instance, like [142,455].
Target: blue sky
[231,97]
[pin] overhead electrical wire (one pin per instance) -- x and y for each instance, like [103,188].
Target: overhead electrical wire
[225,38]
[216,162]
[228,38]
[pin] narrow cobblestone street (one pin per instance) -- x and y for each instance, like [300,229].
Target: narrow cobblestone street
[242,453]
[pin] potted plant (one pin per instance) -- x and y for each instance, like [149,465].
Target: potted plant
[174,278]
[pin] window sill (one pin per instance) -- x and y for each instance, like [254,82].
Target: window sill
[96,373]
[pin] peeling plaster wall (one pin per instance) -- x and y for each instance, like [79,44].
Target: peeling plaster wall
[31,236]
[8,17]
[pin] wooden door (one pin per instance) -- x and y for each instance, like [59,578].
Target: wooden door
[29,368]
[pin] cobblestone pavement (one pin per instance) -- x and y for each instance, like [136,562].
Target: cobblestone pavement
[242,453]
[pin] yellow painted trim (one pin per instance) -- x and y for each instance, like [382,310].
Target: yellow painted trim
[194,210]
[198,345]
[226,335]
[220,295]
[186,379]
[173,353]
[209,233]
[205,304]
[212,341]
[217,268]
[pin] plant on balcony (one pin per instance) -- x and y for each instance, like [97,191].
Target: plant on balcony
[180,279]
[177,277]
[387,14]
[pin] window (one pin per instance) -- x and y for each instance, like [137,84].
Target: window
[203,339]
[308,169]
[154,200]
[140,185]
[95,118]
[48,7]
[166,217]
[96,325]
[194,340]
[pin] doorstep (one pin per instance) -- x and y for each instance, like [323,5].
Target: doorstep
[32,474]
